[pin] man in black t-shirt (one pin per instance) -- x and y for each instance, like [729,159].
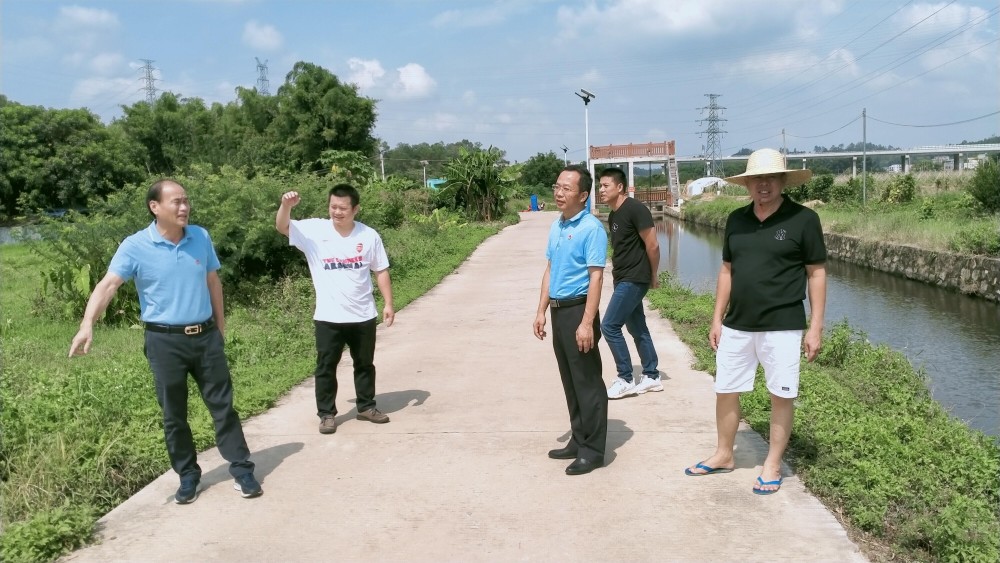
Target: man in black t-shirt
[636,258]
[772,256]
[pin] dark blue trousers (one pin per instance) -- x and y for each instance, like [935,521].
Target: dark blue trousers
[172,357]
[586,397]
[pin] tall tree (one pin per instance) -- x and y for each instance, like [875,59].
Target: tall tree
[541,170]
[60,158]
[316,112]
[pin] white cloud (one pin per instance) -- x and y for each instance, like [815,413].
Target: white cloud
[687,18]
[106,63]
[492,15]
[102,93]
[365,74]
[469,98]
[84,28]
[438,122]
[412,82]
[262,36]
[73,18]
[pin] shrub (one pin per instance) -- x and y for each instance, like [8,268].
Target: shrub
[239,216]
[47,535]
[985,185]
[978,238]
[819,187]
[901,189]
[849,192]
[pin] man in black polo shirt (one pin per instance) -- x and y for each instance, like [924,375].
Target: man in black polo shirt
[772,256]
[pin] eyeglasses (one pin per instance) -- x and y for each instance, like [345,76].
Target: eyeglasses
[563,188]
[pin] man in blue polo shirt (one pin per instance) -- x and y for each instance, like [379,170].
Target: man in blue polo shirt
[175,269]
[571,288]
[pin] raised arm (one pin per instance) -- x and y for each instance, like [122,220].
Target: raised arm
[284,215]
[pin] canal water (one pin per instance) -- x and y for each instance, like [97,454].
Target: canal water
[955,338]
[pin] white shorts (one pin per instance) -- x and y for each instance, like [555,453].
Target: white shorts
[740,352]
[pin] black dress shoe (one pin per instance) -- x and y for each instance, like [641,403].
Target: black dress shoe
[569,452]
[583,465]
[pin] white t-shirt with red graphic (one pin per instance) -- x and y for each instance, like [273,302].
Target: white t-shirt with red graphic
[341,268]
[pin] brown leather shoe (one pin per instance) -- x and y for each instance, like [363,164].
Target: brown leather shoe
[328,424]
[373,415]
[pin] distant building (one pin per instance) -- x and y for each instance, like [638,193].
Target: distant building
[894,168]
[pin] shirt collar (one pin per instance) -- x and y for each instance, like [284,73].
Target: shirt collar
[157,238]
[785,204]
[573,219]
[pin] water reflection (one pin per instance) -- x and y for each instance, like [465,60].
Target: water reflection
[955,338]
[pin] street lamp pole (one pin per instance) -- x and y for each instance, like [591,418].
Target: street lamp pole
[424,164]
[565,157]
[586,97]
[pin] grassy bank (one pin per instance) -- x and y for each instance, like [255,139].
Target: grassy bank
[910,482]
[941,217]
[80,436]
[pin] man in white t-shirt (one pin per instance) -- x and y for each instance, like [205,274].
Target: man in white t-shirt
[342,255]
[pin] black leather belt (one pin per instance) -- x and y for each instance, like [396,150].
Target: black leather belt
[570,302]
[189,330]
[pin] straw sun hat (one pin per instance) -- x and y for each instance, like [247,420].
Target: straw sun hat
[770,161]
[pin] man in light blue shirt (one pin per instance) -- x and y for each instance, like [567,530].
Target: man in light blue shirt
[571,288]
[175,269]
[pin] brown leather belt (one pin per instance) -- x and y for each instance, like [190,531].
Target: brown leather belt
[569,302]
[189,330]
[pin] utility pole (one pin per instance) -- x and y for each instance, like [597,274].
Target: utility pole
[262,83]
[714,133]
[864,156]
[150,87]
[565,158]
[586,97]
[381,161]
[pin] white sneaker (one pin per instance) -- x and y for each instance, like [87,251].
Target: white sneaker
[621,388]
[648,384]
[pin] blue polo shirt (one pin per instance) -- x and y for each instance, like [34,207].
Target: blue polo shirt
[575,245]
[170,278]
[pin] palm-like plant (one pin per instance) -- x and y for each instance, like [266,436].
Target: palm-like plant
[478,184]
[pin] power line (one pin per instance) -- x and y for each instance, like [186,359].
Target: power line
[936,125]
[830,133]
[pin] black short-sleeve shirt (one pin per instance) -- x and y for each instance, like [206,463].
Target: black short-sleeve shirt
[629,258]
[768,266]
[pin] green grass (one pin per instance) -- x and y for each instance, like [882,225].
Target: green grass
[868,439]
[82,435]
[944,221]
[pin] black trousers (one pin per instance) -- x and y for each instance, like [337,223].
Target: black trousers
[586,397]
[330,341]
[171,358]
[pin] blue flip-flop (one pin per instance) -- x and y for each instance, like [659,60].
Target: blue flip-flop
[763,483]
[707,470]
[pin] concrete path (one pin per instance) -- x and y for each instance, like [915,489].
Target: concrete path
[461,472]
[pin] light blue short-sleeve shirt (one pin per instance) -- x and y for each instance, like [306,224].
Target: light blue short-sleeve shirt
[574,246]
[171,279]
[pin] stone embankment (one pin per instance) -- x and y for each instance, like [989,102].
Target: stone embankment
[968,274]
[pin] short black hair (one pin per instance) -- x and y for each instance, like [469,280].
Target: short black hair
[617,175]
[155,192]
[345,190]
[586,180]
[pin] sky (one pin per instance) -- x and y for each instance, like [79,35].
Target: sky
[504,73]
